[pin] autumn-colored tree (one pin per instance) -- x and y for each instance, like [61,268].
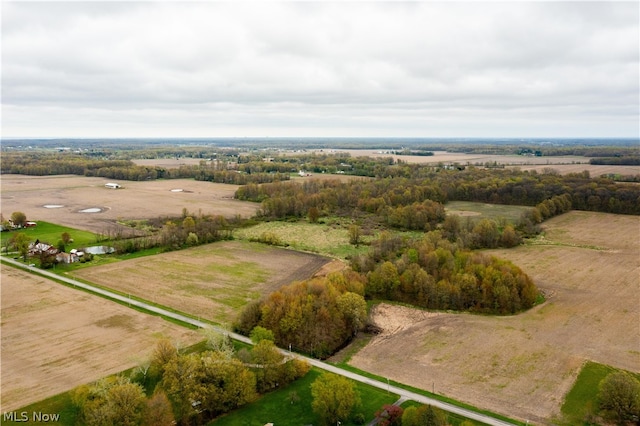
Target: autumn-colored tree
[225,384]
[308,316]
[188,224]
[334,398]
[390,415]
[509,237]
[114,400]
[486,234]
[158,410]
[65,237]
[180,380]
[313,214]
[207,384]
[355,233]
[163,353]
[268,362]
[354,310]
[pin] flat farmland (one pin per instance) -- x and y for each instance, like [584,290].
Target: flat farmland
[84,202]
[211,281]
[588,266]
[593,169]
[462,158]
[563,164]
[55,338]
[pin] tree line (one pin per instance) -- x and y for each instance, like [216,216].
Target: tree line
[411,197]
[45,164]
[187,388]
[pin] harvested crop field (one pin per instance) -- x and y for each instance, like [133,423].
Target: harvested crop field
[55,338]
[563,164]
[593,169]
[212,281]
[85,203]
[523,365]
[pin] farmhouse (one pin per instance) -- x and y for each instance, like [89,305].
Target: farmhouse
[37,248]
[112,185]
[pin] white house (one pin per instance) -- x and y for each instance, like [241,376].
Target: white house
[112,185]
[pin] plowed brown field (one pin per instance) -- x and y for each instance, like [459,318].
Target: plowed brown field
[135,200]
[55,338]
[522,366]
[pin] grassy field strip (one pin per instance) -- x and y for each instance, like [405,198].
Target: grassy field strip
[541,241]
[314,362]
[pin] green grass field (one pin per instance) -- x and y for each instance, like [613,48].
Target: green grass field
[475,211]
[51,233]
[304,236]
[582,400]
[276,407]
[329,237]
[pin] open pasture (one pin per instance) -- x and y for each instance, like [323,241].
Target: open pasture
[84,202]
[474,210]
[522,366]
[213,281]
[55,338]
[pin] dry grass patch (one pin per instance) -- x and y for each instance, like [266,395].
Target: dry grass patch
[212,281]
[523,365]
[55,338]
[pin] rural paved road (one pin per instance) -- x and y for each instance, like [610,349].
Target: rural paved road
[403,393]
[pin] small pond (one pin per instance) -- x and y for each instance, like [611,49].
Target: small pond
[99,250]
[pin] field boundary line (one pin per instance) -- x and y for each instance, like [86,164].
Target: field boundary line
[312,361]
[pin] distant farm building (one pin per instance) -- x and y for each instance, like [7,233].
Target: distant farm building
[112,185]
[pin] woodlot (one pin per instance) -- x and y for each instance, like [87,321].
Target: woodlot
[55,338]
[522,365]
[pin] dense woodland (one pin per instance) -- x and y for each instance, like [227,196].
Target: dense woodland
[317,316]
[405,185]
[436,274]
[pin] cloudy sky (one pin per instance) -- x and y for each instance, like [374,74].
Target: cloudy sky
[418,69]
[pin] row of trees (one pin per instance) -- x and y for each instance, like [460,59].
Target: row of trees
[317,316]
[190,388]
[181,232]
[630,160]
[44,164]
[436,274]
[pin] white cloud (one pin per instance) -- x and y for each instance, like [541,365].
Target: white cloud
[317,69]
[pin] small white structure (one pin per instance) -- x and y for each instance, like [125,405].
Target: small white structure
[112,185]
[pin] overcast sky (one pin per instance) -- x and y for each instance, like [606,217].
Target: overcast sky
[419,69]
